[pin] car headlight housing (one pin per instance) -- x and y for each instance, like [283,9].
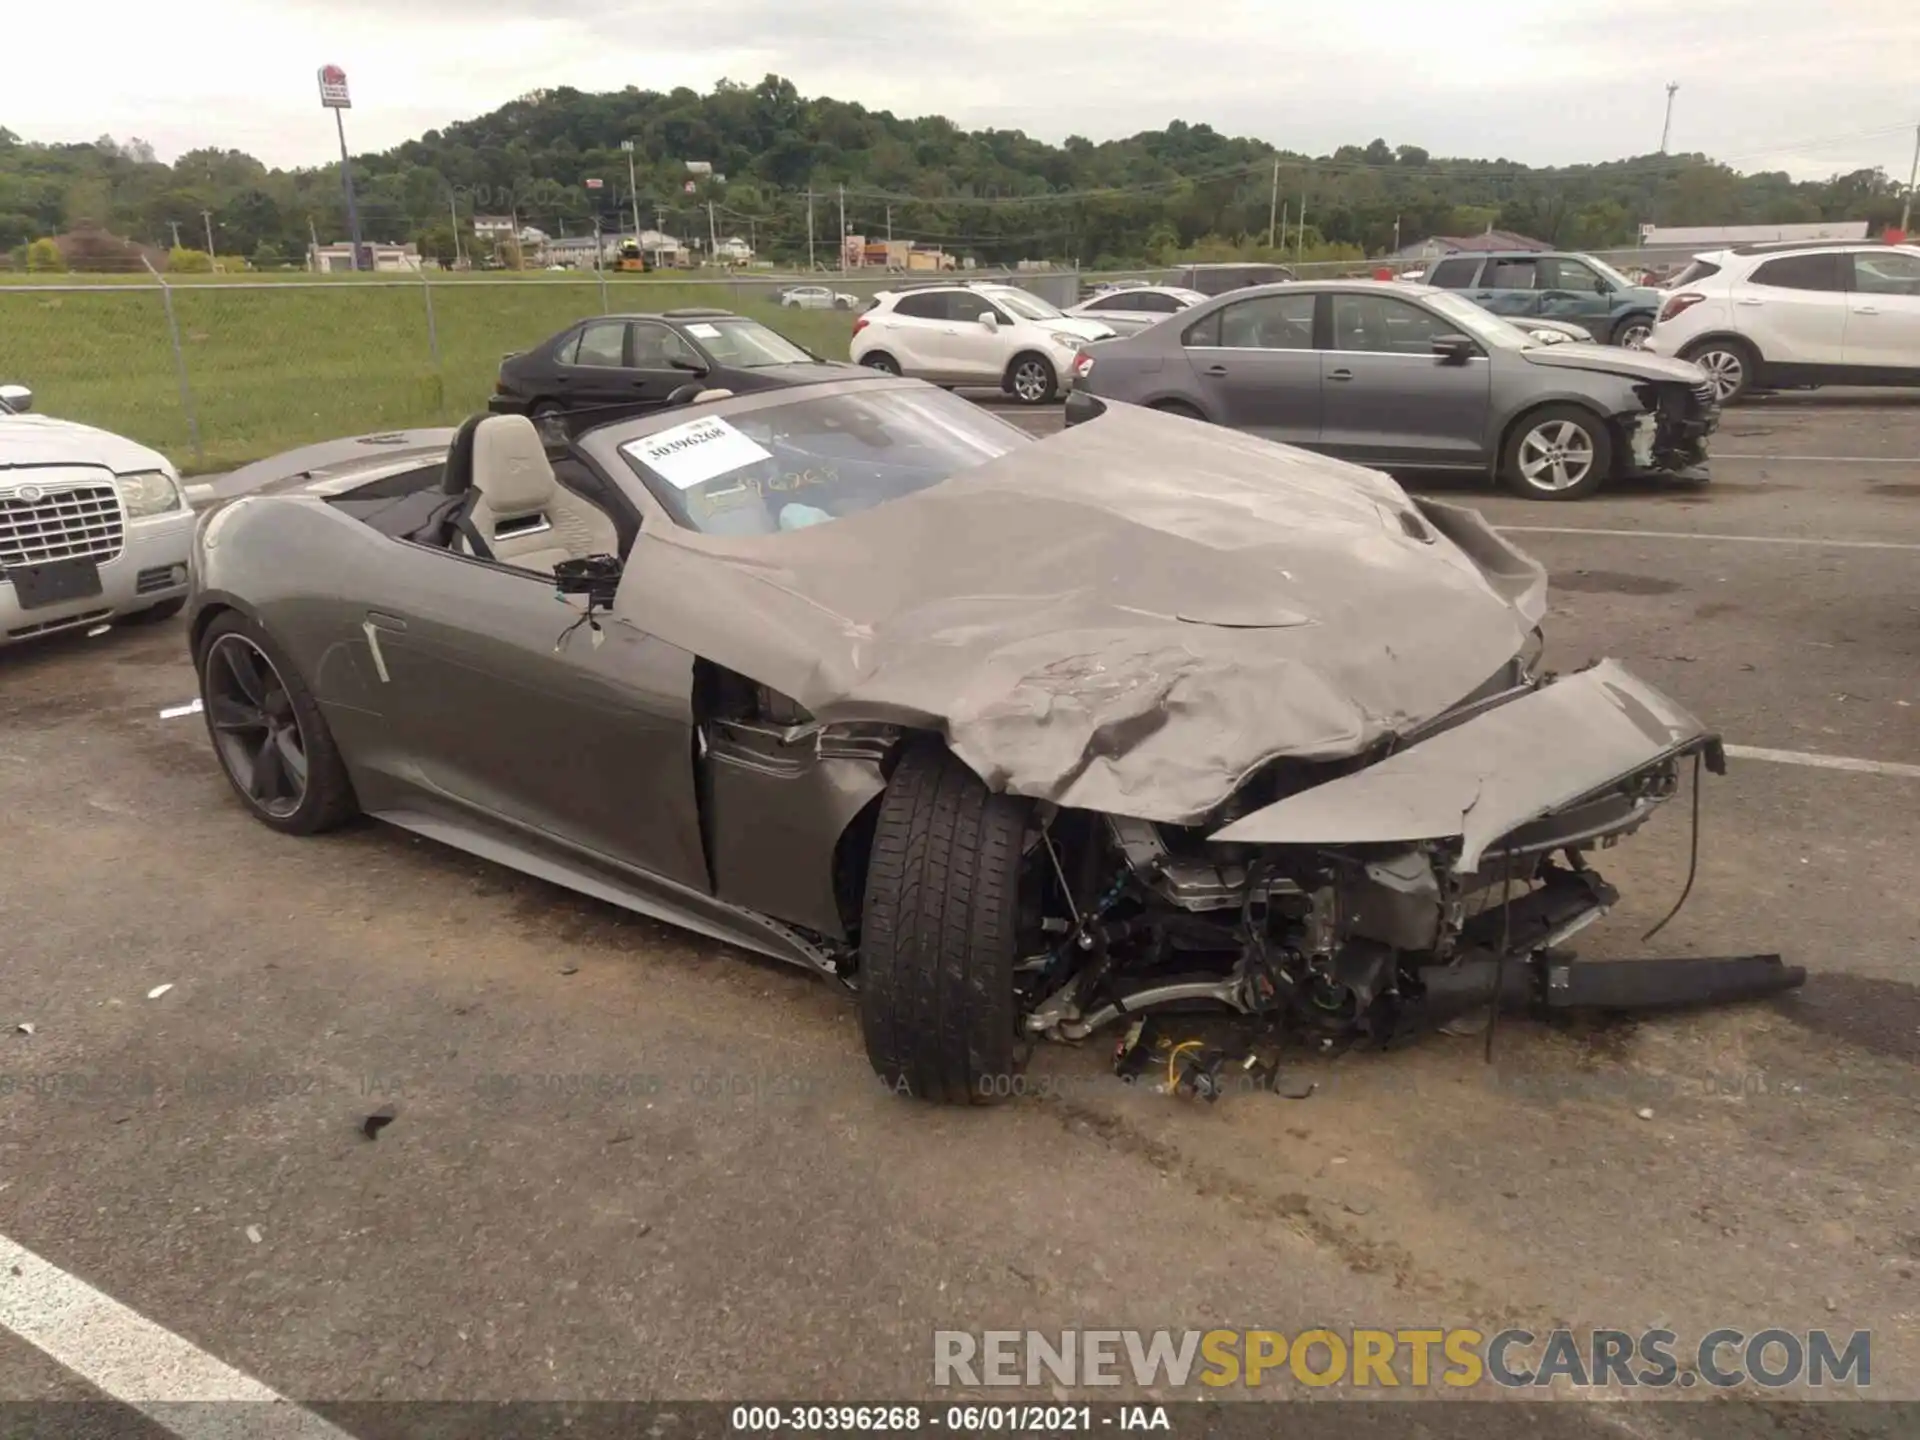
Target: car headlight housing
[148,492]
[1075,343]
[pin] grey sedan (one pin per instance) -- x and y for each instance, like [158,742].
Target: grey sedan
[1407,377]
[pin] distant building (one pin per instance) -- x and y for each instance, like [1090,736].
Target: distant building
[493,227]
[1437,245]
[734,251]
[337,259]
[1713,237]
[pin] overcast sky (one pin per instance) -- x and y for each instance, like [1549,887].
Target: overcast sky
[1765,84]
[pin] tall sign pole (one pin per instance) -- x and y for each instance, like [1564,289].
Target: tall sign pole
[1666,130]
[333,96]
[1906,210]
[633,188]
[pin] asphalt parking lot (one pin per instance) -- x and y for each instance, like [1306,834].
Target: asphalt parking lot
[631,1163]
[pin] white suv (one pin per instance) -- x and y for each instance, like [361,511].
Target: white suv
[1821,313]
[975,335]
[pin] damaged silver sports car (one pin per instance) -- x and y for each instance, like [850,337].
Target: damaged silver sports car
[1015,736]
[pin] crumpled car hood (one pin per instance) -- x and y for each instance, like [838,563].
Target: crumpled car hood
[1128,617]
[1613,360]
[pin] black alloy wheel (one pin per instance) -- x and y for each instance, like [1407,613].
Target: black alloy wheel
[256,731]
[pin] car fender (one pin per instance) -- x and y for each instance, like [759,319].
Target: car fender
[1606,414]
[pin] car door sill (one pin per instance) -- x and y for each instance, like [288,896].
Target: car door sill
[536,852]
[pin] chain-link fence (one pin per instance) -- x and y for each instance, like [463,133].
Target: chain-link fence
[215,373]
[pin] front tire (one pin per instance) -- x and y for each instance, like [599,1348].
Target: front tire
[1632,332]
[1730,364]
[268,734]
[1558,452]
[939,933]
[881,361]
[1031,379]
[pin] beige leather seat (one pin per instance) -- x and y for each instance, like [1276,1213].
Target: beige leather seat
[527,518]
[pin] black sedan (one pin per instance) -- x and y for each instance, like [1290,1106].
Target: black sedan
[613,365]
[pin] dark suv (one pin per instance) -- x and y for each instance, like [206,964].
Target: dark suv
[1579,288]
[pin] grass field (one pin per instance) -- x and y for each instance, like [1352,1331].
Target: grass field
[272,368]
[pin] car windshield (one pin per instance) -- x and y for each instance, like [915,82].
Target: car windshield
[816,458]
[1027,307]
[1482,325]
[1611,275]
[746,344]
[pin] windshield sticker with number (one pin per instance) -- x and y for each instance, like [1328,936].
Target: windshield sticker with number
[705,332]
[696,452]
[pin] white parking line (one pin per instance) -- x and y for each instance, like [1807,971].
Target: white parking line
[1709,535]
[1819,459]
[1823,762]
[128,1357]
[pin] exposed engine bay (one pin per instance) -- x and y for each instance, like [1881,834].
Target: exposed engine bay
[1370,941]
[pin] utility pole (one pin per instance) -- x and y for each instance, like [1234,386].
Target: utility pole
[453,210]
[1273,202]
[1913,173]
[843,229]
[1301,250]
[1666,130]
[713,239]
[206,217]
[633,188]
[312,234]
[175,224]
[809,230]
[1396,234]
[1286,211]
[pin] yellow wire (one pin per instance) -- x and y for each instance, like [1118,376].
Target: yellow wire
[1173,1057]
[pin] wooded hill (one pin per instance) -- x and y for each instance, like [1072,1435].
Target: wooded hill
[998,195]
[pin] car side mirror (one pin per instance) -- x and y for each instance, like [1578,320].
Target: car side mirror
[17,398]
[681,362]
[1454,349]
[990,320]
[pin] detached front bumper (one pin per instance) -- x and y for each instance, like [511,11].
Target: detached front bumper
[149,570]
[1671,437]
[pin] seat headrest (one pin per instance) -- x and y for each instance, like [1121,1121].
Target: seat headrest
[457,477]
[510,466]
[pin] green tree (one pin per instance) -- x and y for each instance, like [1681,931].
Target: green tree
[44,257]
[268,256]
[183,261]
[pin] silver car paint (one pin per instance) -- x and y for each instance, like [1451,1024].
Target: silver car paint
[1371,407]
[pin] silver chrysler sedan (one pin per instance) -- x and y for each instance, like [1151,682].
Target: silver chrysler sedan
[1408,377]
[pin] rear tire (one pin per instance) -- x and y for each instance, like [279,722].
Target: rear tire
[881,361]
[1558,452]
[939,933]
[1731,365]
